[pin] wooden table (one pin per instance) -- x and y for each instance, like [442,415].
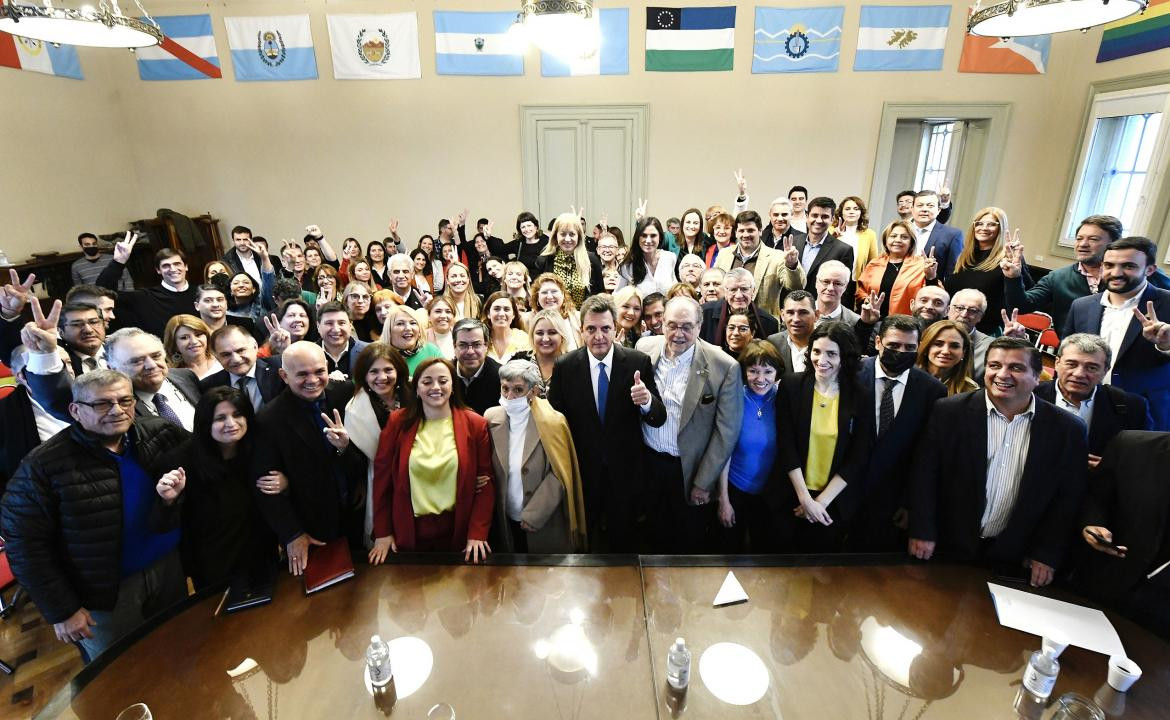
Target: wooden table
[587,637]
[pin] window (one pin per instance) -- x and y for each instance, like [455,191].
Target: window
[938,139]
[1118,171]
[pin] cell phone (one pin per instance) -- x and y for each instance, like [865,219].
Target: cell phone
[1102,541]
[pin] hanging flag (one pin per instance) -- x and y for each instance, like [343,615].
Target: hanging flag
[612,58]
[271,48]
[187,51]
[477,43]
[1019,55]
[902,37]
[375,47]
[1137,34]
[27,54]
[690,39]
[797,40]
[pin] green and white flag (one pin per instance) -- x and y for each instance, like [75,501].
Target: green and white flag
[690,39]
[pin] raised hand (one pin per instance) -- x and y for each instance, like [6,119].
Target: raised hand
[1153,330]
[123,248]
[639,393]
[1012,263]
[335,433]
[37,339]
[931,265]
[393,226]
[314,230]
[1011,326]
[487,229]
[604,222]
[171,485]
[740,183]
[791,255]
[48,323]
[871,307]
[462,217]
[278,338]
[944,192]
[640,211]
[15,294]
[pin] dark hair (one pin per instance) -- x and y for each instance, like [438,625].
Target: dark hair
[224,331]
[652,298]
[376,243]
[90,290]
[482,221]
[73,307]
[282,310]
[842,334]
[223,281]
[240,230]
[617,233]
[444,223]
[700,241]
[635,258]
[905,193]
[207,450]
[414,411]
[823,202]
[468,323]
[1013,343]
[1108,223]
[167,254]
[497,258]
[863,221]
[905,323]
[255,287]
[1136,242]
[200,290]
[748,216]
[526,217]
[85,235]
[760,352]
[925,193]
[331,307]
[428,270]
[365,360]
[800,296]
[502,295]
[796,188]
[285,288]
[600,303]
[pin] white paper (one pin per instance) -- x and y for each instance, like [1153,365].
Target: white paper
[1074,624]
[731,592]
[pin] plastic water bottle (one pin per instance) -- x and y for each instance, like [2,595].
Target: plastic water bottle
[378,662]
[1040,675]
[678,665]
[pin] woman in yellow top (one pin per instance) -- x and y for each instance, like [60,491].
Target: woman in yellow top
[502,316]
[851,226]
[829,425]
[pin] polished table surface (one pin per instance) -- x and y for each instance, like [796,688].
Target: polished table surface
[587,638]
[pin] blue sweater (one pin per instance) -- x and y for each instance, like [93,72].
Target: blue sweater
[141,546]
[755,448]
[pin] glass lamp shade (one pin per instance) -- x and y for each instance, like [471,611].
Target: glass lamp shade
[1021,18]
[567,29]
[90,28]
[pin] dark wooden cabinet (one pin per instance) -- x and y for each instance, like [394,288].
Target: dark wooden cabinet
[198,240]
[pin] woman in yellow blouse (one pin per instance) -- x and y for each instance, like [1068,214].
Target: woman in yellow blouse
[851,226]
[507,331]
[812,508]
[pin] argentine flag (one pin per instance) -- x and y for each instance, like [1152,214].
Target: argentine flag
[477,43]
[613,56]
[272,48]
[797,40]
[902,37]
[187,51]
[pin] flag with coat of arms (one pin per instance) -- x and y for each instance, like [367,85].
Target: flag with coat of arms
[374,47]
[27,54]
[478,43]
[797,39]
[271,48]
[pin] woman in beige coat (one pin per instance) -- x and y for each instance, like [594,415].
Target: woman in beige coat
[539,503]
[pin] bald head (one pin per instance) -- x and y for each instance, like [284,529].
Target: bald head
[930,303]
[305,370]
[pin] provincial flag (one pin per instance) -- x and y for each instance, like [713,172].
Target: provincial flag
[797,40]
[613,56]
[901,37]
[690,39]
[477,43]
[27,54]
[1020,55]
[1137,34]
[271,48]
[187,51]
[375,47]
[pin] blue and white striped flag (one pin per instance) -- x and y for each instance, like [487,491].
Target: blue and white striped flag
[477,43]
[187,51]
[271,48]
[797,40]
[613,57]
[902,37]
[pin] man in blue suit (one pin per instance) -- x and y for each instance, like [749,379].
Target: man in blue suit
[1126,314]
[944,240]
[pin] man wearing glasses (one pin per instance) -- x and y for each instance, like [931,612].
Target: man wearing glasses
[479,373]
[77,518]
[967,308]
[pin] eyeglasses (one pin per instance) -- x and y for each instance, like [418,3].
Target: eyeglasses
[78,324]
[967,309]
[461,347]
[687,328]
[990,225]
[101,407]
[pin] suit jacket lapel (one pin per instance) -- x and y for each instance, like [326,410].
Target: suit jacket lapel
[500,437]
[1134,329]
[977,414]
[531,438]
[696,383]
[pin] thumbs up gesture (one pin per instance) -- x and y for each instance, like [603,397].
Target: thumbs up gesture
[639,393]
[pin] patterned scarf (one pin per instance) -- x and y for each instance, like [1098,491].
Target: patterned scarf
[565,267]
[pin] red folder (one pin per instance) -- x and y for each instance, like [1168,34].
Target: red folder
[328,565]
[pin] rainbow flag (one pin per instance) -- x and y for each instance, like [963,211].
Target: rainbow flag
[1137,34]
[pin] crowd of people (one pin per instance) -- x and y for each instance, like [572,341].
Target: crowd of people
[717,383]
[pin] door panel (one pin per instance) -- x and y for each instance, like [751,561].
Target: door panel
[609,171]
[560,155]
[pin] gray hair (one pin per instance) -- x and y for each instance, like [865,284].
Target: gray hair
[1087,343]
[740,273]
[830,265]
[86,385]
[469,323]
[696,308]
[125,333]
[692,259]
[780,201]
[971,292]
[400,259]
[523,370]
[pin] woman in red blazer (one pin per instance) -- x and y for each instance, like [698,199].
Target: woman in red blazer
[433,488]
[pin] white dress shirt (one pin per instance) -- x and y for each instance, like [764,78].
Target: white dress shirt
[249,265]
[1115,320]
[1084,412]
[175,398]
[879,385]
[1007,451]
[921,236]
[671,376]
[594,363]
[797,356]
[47,424]
[517,429]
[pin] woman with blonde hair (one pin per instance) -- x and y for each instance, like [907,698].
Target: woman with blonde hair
[458,291]
[628,302]
[566,257]
[851,226]
[987,242]
[404,333]
[897,274]
[440,322]
[549,293]
[516,282]
[187,341]
[548,344]
[502,317]
[946,353]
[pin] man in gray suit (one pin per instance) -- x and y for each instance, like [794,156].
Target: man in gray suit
[701,389]
[832,280]
[799,317]
[967,308]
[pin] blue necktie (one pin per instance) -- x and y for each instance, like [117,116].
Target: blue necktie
[165,411]
[602,391]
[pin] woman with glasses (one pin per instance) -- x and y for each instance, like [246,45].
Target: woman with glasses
[897,274]
[978,267]
[945,352]
[648,266]
[406,336]
[187,340]
[358,301]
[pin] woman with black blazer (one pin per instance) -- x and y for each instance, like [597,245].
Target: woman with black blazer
[822,412]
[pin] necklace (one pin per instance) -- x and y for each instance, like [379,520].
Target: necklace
[748,394]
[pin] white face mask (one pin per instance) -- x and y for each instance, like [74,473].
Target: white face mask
[514,407]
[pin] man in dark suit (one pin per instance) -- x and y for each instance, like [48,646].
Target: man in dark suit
[946,241]
[779,229]
[1127,315]
[302,435]
[800,318]
[258,378]
[819,246]
[999,475]
[606,393]
[337,340]
[242,258]
[1082,361]
[24,424]
[739,289]
[479,373]
[901,397]
[81,331]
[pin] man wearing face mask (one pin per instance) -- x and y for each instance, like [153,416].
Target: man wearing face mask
[85,269]
[902,397]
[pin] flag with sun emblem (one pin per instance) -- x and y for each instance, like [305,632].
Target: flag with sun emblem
[797,40]
[272,48]
[27,54]
[374,47]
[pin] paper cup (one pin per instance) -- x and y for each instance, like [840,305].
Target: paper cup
[1123,673]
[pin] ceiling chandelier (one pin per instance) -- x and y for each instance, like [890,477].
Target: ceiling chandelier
[1020,18]
[568,29]
[102,26]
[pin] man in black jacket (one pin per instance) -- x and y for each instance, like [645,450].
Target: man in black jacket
[77,518]
[150,308]
[24,424]
[259,379]
[480,374]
